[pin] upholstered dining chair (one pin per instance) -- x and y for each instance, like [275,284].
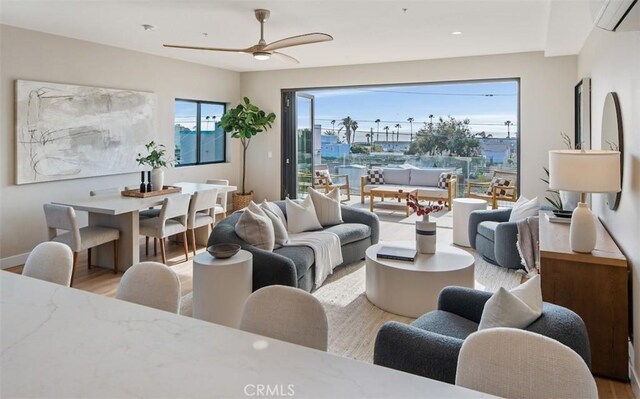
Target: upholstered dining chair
[288,314]
[221,207]
[172,220]
[151,284]
[50,261]
[59,217]
[201,212]
[513,363]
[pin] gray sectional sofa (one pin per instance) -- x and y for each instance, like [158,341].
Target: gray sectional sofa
[294,266]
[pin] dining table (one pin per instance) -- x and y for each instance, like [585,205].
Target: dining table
[61,342]
[123,213]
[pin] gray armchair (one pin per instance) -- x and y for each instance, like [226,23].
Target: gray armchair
[430,345]
[495,237]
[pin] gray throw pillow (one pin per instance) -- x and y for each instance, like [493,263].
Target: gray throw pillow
[255,227]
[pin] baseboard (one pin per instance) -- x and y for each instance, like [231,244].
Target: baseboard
[635,382]
[12,261]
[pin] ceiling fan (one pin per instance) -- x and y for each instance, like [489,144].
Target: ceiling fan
[263,50]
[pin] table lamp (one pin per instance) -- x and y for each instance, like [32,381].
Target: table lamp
[592,171]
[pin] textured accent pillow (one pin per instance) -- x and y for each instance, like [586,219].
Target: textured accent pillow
[301,216]
[275,209]
[443,181]
[281,236]
[327,206]
[496,181]
[524,208]
[375,176]
[516,308]
[255,227]
[323,177]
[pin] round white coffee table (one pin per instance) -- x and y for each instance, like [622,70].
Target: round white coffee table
[221,287]
[462,208]
[411,289]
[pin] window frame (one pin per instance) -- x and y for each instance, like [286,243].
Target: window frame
[198,131]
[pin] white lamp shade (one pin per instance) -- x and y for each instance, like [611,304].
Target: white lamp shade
[593,171]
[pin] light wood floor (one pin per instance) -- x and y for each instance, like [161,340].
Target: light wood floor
[357,313]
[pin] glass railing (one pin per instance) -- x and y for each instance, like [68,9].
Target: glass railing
[475,169]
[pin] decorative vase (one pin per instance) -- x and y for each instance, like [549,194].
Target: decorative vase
[157,179]
[426,236]
[240,201]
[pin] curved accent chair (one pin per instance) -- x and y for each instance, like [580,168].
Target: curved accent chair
[151,284]
[288,314]
[50,261]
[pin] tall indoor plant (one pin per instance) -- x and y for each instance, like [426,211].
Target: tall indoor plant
[157,159]
[243,122]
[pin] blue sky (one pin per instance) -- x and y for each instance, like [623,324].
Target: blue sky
[486,104]
[185,114]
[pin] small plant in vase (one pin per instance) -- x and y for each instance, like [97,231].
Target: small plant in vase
[157,160]
[425,230]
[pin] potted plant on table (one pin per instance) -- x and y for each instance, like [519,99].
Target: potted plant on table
[243,122]
[157,160]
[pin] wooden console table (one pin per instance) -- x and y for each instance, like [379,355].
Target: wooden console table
[595,286]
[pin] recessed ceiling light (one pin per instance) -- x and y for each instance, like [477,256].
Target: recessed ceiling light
[148,28]
[456,32]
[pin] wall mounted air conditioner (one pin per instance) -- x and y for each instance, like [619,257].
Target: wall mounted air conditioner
[608,14]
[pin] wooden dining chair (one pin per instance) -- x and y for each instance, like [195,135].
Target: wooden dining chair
[201,212]
[221,207]
[59,217]
[171,221]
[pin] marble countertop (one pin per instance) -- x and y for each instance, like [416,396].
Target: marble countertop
[63,342]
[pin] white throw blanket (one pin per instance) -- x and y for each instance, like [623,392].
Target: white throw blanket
[528,233]
[325,246]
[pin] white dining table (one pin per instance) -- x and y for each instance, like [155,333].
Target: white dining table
[60,342]
[123,213]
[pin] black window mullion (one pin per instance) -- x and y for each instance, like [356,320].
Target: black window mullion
[198,136]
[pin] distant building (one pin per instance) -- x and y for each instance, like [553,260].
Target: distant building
[331,148]
[393,146]
[498,150]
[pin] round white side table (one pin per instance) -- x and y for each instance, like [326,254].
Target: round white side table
[411,289]
[462,208]
[221,287]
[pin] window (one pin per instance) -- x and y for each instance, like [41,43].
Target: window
[199,139]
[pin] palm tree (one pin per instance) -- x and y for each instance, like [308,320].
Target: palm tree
[368,136]
[333,126]
[214,122]
[377,122]
[430,122]
[397,126]
[410,120]
[354,128]
[346,125]
[508,124]
[207,118]
[386,129]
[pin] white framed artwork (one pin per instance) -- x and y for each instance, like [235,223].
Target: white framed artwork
[68,131]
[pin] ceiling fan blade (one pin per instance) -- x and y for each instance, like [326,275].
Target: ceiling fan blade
[308,38]
[284,58]
[231,50]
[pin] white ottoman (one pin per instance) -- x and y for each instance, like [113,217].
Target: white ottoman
[221,287]
[462,208]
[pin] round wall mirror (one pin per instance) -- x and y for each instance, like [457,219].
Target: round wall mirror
[612,138]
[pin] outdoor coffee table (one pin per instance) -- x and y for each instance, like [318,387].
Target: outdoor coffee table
[411,289]
[393,192]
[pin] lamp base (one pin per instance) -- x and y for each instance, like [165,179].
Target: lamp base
[583,229]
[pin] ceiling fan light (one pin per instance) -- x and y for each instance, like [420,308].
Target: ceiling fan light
[261,55]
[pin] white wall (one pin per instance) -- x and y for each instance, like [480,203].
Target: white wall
[31,55]
[546,87]
[612,61]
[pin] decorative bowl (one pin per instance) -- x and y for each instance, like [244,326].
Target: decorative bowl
[223,251]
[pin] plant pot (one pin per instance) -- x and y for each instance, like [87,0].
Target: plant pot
[157,179]
[239,201]
[426,236]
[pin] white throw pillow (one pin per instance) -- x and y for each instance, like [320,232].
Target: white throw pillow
[524,208]
[279,229]
[327,206]
[255,227]
[515,309]
[301,216]
[275,209]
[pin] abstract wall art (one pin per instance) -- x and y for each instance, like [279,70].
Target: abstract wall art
[68,131]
